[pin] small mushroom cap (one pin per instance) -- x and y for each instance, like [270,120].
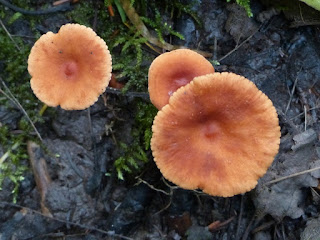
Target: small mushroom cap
[219,133]
[70,68]
[174,69]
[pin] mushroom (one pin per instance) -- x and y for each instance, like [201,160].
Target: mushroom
[70,68]
[219,133]
[174,69]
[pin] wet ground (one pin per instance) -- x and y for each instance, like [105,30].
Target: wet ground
[68,195]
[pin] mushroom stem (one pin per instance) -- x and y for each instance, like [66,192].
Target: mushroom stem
[43,109]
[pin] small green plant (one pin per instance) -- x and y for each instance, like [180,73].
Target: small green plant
[246,5]
[130,42]
[13,63]
[11,162]
[160,27]
[134,156]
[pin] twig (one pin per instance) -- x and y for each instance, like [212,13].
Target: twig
[109,233]
[59,2]
[292,175]
[240,218]
[165,208]
[292,92]
[7,32]
[6,155]
[263,226]
[153,188]
[240,45]
[60,8]
[16,102]
[315,192]
[168,185]
[216,225]
[170,194]
[300,114]
[305,117]
[246,233]
[23,36]
[283,231]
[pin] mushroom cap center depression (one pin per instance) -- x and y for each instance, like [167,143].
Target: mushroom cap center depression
[210,130]
[70,69]
[180,79]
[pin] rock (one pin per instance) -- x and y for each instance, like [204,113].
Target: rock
[131,212]
[239,20]
[312,230]
[70,166]
[304,139]
[75,125]
[199,233]
[285,198]
[27,225]
[262,236]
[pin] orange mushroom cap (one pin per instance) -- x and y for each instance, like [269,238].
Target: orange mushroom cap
[70,68]
[174,69]
[219,133]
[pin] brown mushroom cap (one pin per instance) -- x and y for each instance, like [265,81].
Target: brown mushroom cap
[174,69]
[70,68]
[219,133]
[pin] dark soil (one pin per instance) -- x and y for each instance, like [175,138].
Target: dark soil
[77,200]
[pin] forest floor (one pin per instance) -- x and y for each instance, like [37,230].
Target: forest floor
[71,188]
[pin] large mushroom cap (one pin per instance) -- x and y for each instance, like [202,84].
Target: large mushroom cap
[174,69]
[219,133]
[70,68]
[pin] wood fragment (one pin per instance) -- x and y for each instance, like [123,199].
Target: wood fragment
[263,227]
[216,225]
[59,2]
[110,9]
[40,172]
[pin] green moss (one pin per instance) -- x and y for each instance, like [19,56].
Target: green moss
[11,162]
[135,155]
[83,13]
[130,62]
[161,27]
[13,63]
